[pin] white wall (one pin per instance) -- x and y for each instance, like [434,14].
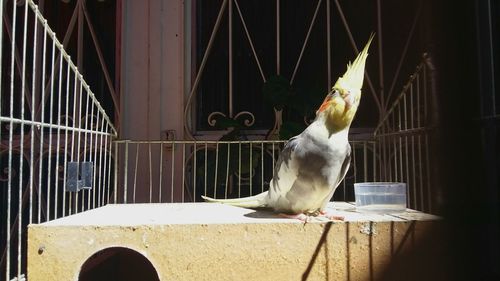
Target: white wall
[152,87]
[152,68]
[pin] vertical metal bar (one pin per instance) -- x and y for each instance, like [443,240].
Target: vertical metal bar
[100,182]
[85,144]
[115,177]
[102,163]
[492,61]
[75,83]
[68,75]
[194,170]
[135,171]
[365,161]
[380,160]
[383,150]
[91,159]
[105,168]
[328,46]
[183,171]
[150,174]
[33,95]
[425,92]
[400,145]
[419,143]
[172,174]
[108,175]
[125,174]
[262,167]
[382,156]
[205,167]
[412,119]
[230,57]
[274,161]
[428,171]
[388,150]
[95,179]
[380,54]
[426,146]
[7,220]
[374,164]
[216,168]
[51,114]
[58,134]
[278,41]
[408,184]
[1,40]
[395,153]
[239,168]
[80,79]
[11,131]
[227,169]
[250,169]
[355,165]
[161,172]
[21,154]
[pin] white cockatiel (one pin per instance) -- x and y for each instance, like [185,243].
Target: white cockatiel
[312,164]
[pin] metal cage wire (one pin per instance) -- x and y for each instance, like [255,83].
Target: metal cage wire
[49,117]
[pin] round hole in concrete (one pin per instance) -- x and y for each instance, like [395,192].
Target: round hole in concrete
[118,263]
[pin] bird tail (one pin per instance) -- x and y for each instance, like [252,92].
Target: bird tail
[256,201]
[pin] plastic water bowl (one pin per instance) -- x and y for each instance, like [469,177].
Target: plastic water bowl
[380,197]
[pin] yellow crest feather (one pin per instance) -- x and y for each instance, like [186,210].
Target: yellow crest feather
[353,77]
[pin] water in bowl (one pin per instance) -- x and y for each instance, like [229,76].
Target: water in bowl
[380,197]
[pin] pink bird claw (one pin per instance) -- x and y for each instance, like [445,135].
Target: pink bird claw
[331,216]
[301,216]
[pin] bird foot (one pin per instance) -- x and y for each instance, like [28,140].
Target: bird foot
[331,216]
[301,217]
[320,217]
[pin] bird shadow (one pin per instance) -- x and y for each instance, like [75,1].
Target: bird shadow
[263,214]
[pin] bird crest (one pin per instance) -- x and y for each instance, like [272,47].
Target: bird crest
[353,77]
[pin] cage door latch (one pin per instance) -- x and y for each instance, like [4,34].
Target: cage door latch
[79,176]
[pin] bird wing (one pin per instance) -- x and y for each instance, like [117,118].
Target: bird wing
[285,173]
[343,172]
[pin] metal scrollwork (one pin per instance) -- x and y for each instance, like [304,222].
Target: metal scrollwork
[212,120]
[248,121]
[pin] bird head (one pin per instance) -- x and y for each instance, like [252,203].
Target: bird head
[341,104]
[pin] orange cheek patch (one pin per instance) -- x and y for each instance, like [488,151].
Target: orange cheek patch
[325,104]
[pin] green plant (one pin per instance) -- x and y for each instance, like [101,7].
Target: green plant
[295,103]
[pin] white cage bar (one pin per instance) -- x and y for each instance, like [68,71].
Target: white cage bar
[182,171]
[404,138]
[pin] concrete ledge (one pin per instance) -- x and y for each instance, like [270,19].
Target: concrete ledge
[201,241]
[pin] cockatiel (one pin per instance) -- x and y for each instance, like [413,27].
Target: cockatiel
[313,164]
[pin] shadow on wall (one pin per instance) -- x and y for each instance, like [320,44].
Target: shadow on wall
[118,263]
[407,251]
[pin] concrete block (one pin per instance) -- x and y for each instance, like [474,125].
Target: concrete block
[202,241]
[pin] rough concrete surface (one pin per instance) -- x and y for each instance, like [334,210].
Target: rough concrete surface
[202,241]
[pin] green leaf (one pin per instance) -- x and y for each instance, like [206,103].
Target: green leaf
[277,91]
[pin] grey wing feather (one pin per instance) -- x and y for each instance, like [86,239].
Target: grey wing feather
[345,166]
[285,156]
[343,172]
